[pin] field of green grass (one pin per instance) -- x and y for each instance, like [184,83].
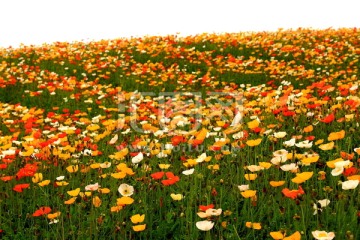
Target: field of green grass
[236,136]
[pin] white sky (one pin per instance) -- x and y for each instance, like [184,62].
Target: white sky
[39,21]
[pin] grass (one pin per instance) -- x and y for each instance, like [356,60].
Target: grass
[73,115]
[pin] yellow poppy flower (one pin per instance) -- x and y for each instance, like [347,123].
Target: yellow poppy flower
[124,200]
[277,235]
[253,124]
[137,218]
[308,129]
[277,183]
[70,201]
[302,177]
[248,193]
[118,175]
[37,177]
[104,190]
[164,166]
[53,215]
[95,165]
[252,143]
[251,176]
[96,201]
[116,208]
[336,135]
[295,236]
[176,197]
[93,127]
[61,183]
[309,160]
[327,146]
[74,192]
[265,165]
[139,228]
[72,168]
[255,225]
[44,183]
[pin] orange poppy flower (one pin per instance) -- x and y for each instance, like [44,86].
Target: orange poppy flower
[42,211]
[293,193]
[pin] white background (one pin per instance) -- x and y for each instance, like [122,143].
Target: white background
[40,21]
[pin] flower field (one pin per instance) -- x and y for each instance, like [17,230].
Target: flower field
[215,136]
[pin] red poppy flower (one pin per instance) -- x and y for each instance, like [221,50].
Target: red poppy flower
[176,140]
[157,175]
[172,179]
[329,118]
[350,171]
[21,187]
[6,178]
[3,166]
[310,138]
[42,211]
[206,207]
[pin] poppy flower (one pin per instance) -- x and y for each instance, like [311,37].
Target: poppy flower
[280,235]
[44,183]
[248,193]
[293,193]
[92,187]
[350,171]
[37,177]
[255,225]
[176,140]
[252,143]
[346,156]
[308,129]
[96,201]
[176,197]
[188,172]
[349,184]
[116,208]
[74,193]
[41,211]
[157,175]
[53,215]
[302,177]
[124,201]
[329,118]
[206,207]
[21,187]
[139,228]
[277,183]
[3,166]
[322,235]
[126,190]
[336,135]
[205,225]
[253,124]
[327,146]
[137,218]
[251,176]
[171,179]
